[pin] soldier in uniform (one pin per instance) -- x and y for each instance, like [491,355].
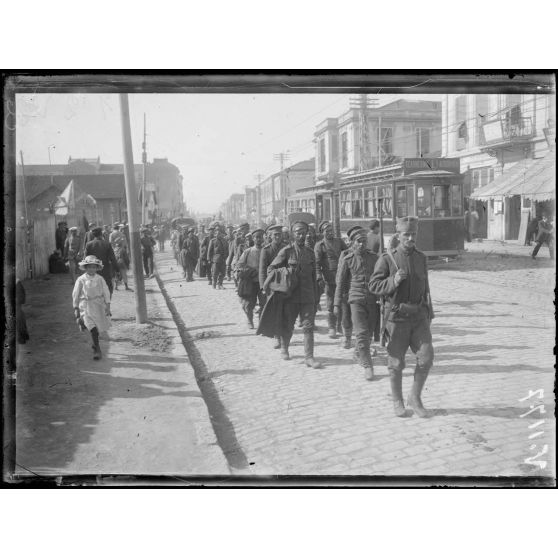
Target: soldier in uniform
[267,255]
[355,270]
[248,266]
[327,252]
[217,253]
[401,275]
[302,300]
[205,263]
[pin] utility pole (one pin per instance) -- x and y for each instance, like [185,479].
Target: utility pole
[144,162]
[131,197]
[363,104]
[282,157]
[259,177]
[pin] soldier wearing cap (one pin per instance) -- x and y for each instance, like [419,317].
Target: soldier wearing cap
[217,253]
[327,252]
[240,245]
[401,275]
[189,253]
[267,255]
[231,237]
[355,270]
[344,308]
[302,301]
[310,241]
[205,264]
[249,285]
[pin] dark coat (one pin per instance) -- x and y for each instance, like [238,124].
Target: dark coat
[327,254]
[218,250]
[353,276]
[267,255]
[103,250]
[271,320]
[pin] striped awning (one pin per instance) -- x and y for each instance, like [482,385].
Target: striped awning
[532,178]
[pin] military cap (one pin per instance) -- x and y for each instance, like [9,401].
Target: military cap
[273,228]
[97,230]
[312,226]
[257,230]
[297,224]
[407,224]
[323,225]
[374,223]
[244,226]
[352,229]
[73,228]
[356,232]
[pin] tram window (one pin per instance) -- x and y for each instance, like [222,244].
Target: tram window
[401,201]
[345,203]
[440,195]
[456,200]
[411,209]
[369,204]
[357,203]
[385,194]
[424,201]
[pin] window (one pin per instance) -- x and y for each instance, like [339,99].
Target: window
[440,195]
[424,201]
[411,209]
[401,201]
[344,151]
[460,118]
[322,155]
[327,209]
[481,177]
[422,141]
[498,207]
[482,115]
[357,203]
[387,140]
[456,200]
[369,204]
[345,203]
[385,194]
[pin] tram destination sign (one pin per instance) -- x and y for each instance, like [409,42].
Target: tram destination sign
[434,164]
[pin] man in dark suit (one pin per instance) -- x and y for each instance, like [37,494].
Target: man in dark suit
[102,249]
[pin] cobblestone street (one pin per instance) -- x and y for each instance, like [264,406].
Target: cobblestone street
[493,339]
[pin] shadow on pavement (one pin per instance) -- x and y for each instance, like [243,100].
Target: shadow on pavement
[448,369]
[239,372]
[497,412]
[463,349]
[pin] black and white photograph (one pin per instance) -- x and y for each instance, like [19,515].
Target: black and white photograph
[263,280]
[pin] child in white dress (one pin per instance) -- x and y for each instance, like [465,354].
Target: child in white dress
[91,299]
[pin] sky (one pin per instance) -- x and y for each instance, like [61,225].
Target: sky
[220,142]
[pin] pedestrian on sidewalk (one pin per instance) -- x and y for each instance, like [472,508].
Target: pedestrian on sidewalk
[189,254]
[544,236]
[248,278]
[302,301]
[373,242]
[355,271]
[327,252]
[91,300]
[72,252]
[101,249]
[147,244]
[122,255]
[401,275]
[174,242]
[217,253]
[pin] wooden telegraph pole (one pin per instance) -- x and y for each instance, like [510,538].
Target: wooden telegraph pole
[131,194]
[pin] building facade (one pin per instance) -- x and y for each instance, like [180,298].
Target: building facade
[493,134]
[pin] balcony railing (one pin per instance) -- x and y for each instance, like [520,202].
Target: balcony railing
[506,130]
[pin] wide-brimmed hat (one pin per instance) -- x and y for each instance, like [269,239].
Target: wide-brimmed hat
[91,260]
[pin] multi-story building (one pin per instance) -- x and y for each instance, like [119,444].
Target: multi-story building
[393,132]
[498,138]
[234,209]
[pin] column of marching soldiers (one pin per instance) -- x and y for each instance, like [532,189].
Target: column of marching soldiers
[284,272]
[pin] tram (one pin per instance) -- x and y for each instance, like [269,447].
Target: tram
[429,188]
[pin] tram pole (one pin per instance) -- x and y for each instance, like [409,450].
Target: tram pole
[131,196]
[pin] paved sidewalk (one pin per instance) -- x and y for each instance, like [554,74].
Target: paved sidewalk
[492,343]
[136,411]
